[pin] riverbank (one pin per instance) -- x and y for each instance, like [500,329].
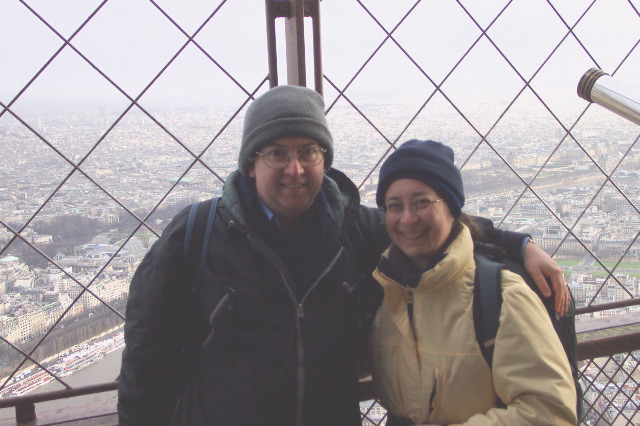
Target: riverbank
[64,363]
[106,369]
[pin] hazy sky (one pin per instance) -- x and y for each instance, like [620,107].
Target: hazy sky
[131,41]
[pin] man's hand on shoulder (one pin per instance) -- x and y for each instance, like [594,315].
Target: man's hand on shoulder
[544,269]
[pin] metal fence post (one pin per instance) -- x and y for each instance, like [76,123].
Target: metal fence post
[294,12]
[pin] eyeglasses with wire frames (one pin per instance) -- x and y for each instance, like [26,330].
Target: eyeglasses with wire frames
[420,205]
[279,158]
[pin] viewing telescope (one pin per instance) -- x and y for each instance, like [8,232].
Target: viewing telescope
[597,86]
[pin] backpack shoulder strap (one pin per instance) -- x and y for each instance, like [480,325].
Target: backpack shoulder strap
[198,235]
[487,302]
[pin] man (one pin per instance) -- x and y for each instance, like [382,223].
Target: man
[291,246]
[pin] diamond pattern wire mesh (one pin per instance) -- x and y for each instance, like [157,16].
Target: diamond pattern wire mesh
[609,384]
[115,114]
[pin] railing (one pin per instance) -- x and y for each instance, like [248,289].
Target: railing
[25,406]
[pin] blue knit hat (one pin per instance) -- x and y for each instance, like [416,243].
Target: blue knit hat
[429,162]
[284,111]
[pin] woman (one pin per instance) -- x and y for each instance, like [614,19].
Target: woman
[427,365]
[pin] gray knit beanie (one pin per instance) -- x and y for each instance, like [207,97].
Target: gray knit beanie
[427,161]
[284,111]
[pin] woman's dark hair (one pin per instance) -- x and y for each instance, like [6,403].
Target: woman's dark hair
[477,233]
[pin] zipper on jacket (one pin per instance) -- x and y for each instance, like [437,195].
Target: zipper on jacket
[412,321]
[323,274]
[299,338]
[432,397]
[259,245]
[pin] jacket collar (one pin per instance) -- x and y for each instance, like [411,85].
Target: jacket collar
[452,259]
[342,198]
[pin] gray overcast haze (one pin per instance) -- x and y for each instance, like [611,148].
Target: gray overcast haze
[131,40]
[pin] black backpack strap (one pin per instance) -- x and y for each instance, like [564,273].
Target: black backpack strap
[207,234]
[191,225]
[487,302]
[200,219]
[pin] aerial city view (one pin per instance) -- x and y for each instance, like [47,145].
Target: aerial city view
[86,233]
[116,116]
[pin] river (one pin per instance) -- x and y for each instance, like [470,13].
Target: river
[104,370]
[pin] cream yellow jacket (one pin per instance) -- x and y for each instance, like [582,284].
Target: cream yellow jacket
[439,375]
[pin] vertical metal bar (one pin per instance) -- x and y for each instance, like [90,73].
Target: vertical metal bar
[314,12]
[294,35]
[271,15]
[294,12]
